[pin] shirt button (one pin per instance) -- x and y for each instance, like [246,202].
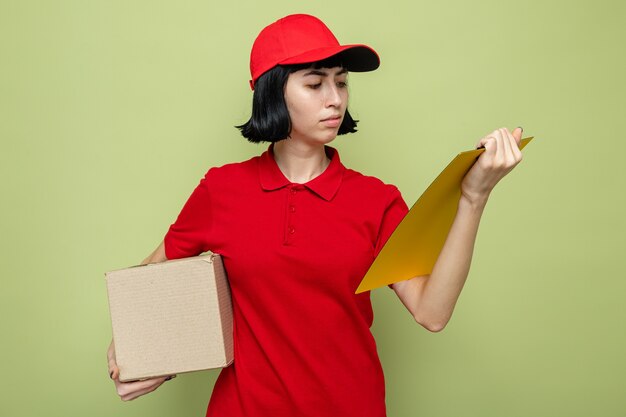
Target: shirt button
[293,191]
[292,230]
[292,209]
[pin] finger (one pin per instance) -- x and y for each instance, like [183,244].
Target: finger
[136,394]
[112,362]
[499,155]
[508,150]
[517,134]
[145,383]
[131,390]
[487,138]
[515,150]
[489,144]
[482,141]
[514,144]
[114,371]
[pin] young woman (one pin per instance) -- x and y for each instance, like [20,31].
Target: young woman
[297,231]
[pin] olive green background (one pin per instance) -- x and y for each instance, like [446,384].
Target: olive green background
[111,111]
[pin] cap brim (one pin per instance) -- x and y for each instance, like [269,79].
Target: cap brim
[356,58]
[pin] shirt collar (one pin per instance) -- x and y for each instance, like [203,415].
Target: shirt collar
[324,185]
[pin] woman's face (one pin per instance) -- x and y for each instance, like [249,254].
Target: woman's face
[317,101]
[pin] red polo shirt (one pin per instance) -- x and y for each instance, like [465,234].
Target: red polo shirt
[294,254]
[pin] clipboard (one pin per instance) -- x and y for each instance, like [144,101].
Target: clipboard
[414,246]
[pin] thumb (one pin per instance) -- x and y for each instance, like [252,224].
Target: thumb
[114,371]
[517,134]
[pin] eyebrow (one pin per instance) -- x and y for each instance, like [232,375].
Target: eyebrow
[323,73]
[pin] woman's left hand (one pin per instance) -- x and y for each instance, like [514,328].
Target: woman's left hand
[501,155]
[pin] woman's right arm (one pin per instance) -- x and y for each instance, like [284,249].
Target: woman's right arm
[157,256]
[131,390]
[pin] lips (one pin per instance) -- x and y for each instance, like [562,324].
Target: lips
[332,122]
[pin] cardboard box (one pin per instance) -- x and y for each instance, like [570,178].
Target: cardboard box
[171,317]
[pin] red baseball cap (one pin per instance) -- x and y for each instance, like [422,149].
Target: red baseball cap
[300,39]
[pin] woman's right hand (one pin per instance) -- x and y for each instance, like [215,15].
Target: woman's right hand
[131,390]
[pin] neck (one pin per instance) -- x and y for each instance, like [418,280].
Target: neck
[299,162]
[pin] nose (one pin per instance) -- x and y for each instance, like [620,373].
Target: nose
[334,97]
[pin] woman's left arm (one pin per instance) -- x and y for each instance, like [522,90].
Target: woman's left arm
[431,298]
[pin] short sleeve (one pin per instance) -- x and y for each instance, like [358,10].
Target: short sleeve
[187,236]
[394,213]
